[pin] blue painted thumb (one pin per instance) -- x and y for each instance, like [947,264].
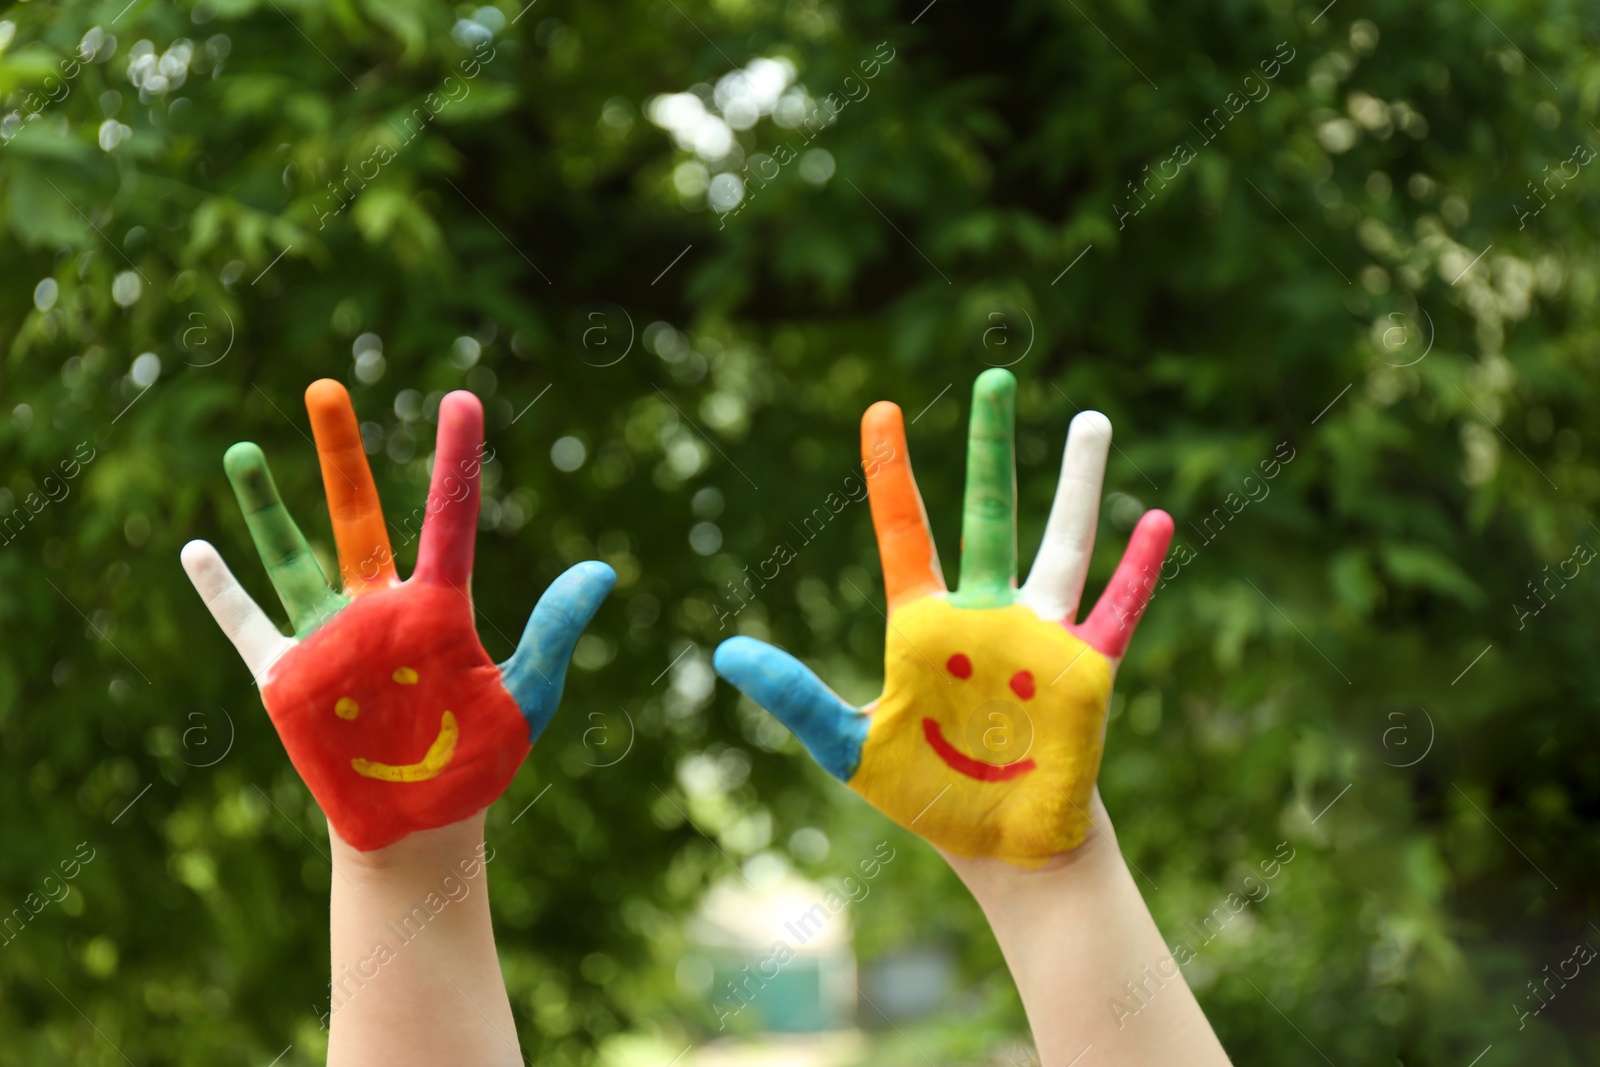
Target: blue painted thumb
[537,670]
[832,730]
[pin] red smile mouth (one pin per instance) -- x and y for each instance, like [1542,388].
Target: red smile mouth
[973,768]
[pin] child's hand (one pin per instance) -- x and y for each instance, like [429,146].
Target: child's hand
[988,735]
[387,704]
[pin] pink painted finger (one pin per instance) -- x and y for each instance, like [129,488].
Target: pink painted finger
[1110,626]
[444,556]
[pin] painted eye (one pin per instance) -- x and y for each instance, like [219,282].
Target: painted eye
[959,665]
[346,708]
[1022,684]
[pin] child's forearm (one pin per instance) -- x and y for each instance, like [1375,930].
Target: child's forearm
[1073,935]
[416,980]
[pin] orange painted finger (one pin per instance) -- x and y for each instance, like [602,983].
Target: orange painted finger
[365,561]
[905,544]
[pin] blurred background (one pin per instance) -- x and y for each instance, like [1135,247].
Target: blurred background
[1298,253]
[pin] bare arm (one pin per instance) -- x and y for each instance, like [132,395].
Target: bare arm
[1077,936]
[416,980]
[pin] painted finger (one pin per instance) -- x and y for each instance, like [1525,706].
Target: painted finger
[537,670]
[451,526]
[241,619]
[1055,584]
[833,731]
[294,571]
[1110,625]
[905,545]
[989,513]
[365,561]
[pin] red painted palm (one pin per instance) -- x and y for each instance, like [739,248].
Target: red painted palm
[389,707]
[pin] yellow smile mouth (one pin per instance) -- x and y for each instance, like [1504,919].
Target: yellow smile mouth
[437,758]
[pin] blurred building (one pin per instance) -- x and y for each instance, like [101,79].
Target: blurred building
[913,983]
[779,956]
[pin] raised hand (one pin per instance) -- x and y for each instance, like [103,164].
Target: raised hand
[988,735]
[389,707]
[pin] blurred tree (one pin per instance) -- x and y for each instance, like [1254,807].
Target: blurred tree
[1297,253]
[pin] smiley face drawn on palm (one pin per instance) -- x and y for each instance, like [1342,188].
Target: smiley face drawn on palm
[389,707]
[988,736]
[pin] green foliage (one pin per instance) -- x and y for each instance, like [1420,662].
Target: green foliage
[1342,257]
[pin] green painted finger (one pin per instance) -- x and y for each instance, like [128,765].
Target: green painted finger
[989,516]
[294,571]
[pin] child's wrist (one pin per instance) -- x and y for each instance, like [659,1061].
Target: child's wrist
[1003,889]
[1013,896]
[422,854]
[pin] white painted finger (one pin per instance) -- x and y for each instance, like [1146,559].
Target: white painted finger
[247,626]
[1055,584]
